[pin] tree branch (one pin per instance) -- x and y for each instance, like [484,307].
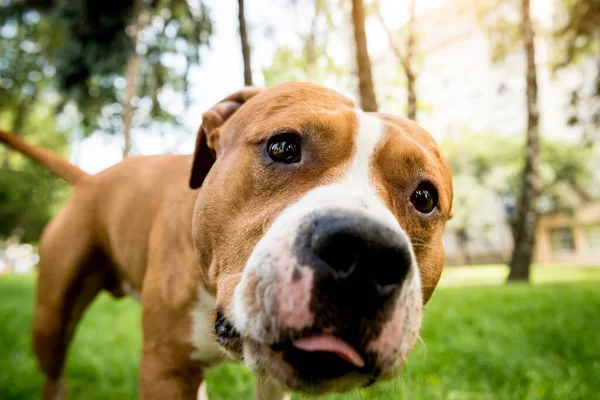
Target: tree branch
[395,48]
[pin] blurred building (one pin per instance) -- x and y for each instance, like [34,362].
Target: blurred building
[570,237]
[562,237]
[491,245]
[463,85]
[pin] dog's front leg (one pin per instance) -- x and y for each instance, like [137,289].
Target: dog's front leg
[162,378]
[166,369]
[268,389]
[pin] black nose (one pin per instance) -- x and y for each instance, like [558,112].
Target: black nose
[359,250]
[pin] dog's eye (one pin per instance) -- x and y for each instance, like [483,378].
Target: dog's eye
[285,148]
[425,197]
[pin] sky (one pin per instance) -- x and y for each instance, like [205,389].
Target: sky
[221,69]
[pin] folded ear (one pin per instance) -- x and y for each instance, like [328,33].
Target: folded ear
[208,134]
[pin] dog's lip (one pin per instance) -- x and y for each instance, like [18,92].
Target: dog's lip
[330,344]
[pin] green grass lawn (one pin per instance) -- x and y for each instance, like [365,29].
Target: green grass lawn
[481,340]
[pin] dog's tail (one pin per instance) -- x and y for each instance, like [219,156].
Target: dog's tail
[46,158]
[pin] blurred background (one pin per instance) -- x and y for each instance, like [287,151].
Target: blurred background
[509,88]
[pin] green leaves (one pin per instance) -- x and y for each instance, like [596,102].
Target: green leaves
[86,45]
[487,168]
[577,35]
[311,60]
[29,194]
[26,201]
[577,44]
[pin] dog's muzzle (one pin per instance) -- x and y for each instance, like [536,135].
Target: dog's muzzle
[358,266]
[353,254]
[329,299]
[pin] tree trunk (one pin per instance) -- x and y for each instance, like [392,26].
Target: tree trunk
[410,75]
[131,75]
[462,237]
[18,122]
[527,215]
[311,43]
[405,58]
[365,78]
[4,165]
[245,45]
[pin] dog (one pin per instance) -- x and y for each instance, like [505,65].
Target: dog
[303,237]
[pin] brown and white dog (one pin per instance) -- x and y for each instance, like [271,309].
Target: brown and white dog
[307,245]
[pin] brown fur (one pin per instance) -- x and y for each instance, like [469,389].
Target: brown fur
[46,158]
[128,224]
[133,222]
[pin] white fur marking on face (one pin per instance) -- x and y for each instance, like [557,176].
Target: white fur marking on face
[273,257]
[207,350]
[265,281]
[370,131]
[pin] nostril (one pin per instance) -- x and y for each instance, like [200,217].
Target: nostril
[341,252]
[361,251]
[391,267]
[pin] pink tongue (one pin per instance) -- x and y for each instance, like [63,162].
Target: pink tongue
[330,344]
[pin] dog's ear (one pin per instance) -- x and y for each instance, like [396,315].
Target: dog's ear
[208,134]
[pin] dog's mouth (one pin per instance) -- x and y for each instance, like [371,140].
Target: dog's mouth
[314,357]
[226,334]
[321,357]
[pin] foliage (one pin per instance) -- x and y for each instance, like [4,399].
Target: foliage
[90,48]
[500,20]
[497,348]
[577,43]
[28,199]
[578,33]
[290,65]
[57,54]
[488,166]
[29,194]
[311,59]
[26,71]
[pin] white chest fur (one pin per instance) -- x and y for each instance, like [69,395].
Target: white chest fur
[207,351]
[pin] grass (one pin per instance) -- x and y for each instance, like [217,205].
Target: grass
[481,340]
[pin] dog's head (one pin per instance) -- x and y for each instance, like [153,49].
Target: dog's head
[319,229]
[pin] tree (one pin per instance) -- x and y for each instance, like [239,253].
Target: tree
[93,50]
[62,66]
[310,42]
[506,33]
[245,45]
[30,194]
[527,214]
[131,76]
[21,87]
[313,61]
[577,44]
[365,77]
[487,168]
[405,57]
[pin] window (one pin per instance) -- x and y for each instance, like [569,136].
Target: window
[593,237]
[562,240]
